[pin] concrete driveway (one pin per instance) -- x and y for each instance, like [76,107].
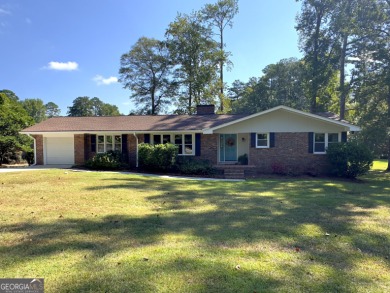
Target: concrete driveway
[31,168]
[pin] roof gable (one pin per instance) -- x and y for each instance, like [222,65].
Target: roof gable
[305,123]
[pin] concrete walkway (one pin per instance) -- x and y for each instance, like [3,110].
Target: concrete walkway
[49,167]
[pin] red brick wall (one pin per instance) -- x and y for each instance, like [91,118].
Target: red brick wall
[290,155]
[88,154]
[79,149]
[39,149]
[87,147]
[131,148]
[209,147]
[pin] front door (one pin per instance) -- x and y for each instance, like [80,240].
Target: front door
[228,147]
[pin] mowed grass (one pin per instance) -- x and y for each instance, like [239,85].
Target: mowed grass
[113,232]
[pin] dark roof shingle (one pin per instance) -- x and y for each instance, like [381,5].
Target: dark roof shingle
[132,123]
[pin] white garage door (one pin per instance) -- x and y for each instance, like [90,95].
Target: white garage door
[59,150]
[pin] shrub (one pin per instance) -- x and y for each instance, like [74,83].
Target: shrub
[157,157]
[110,160]
[190,166]
[29,157]
[349,159]
[243,159]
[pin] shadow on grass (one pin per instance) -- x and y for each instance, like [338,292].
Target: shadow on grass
[189,274]
[221,216]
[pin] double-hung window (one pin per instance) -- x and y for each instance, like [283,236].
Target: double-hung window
[184,142]
[107,143]
[262,140]
[323,140]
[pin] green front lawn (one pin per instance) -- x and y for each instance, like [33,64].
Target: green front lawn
[112,232]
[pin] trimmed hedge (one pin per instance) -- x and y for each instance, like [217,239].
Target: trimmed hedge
[111,160]
[159,157]
[349,159]
[190,166]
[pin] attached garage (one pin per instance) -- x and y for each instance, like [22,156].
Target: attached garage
[59,150]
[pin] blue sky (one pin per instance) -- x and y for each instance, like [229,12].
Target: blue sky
[60,50]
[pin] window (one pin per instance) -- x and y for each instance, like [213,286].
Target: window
[319,142]
[323,140]
[107,143]
[188,149]
[161,138]
[333,138]
[184,142]
[179,143]
[262,140]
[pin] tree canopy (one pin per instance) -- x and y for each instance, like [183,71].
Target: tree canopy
[220,15]
[84,106]
[52,110]
[35,108]
[195,55]
[13,119]
[146,71]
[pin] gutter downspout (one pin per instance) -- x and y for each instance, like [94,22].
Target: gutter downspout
[136,150]
[35,150]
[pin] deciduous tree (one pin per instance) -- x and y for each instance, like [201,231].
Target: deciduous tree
[14,118]
[318,44]
[196,56]
[35,108]
[146,70]
[282,83]
[84,106]
[373,83]
[52,110]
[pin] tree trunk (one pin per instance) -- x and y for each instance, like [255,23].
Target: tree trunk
[153,105]
[388,130]
[343,91]
[314,82]
[388,152]
[190,99]
[221,72]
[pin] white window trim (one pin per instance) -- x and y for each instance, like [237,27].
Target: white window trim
[172,139]
[105,142]
[326,141]
[262,146]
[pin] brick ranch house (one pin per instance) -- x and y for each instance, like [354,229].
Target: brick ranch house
[280,139]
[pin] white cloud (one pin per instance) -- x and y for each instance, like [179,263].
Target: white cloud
[67,66]
[100,80]
[3,11]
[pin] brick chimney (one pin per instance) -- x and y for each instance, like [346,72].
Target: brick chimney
[205,109]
